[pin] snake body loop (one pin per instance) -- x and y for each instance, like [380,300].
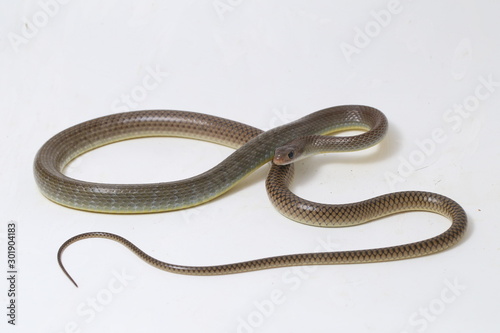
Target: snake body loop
[255,149]
[283,145]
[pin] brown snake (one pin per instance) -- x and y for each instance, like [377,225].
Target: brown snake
[283,145]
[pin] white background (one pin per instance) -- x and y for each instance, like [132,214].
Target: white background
[262,63]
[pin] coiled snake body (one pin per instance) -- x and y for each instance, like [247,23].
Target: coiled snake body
[283,145]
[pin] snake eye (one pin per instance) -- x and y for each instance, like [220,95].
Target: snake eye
[290,154]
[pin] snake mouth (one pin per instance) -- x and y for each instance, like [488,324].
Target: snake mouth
[286,154]
[282,159]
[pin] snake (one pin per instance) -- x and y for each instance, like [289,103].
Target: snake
[282,146]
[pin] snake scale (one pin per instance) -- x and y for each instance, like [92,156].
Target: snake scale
[282,145]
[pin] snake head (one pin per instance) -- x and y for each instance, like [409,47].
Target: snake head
[288,154]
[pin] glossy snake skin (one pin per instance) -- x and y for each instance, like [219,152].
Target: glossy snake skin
[283,145]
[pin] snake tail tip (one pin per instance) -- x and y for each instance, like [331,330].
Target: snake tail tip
[76,285]
[69,277]
[65,271]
